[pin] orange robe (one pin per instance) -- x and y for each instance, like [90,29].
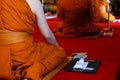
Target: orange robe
[76,19]
[100,11]
[23,58]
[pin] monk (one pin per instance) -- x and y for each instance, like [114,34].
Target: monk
[20,57]
[100,11]
[76,19]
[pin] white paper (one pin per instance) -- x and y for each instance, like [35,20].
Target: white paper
[81,64]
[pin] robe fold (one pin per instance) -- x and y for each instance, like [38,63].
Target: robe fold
[76,19]
[20,56]
[100,11]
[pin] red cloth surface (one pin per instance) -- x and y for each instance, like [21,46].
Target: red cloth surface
[106,49]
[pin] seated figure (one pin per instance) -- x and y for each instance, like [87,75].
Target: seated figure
[100,11]
[76,19]
[21,58]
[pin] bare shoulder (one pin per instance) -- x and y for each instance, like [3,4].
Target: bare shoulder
[34,4]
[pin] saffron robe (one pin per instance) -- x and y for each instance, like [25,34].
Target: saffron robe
[26,58]
[76,19]
[100,11]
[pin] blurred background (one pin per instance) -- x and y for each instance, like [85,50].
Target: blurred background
[50,6]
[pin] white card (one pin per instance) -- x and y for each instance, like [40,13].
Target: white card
[81,64]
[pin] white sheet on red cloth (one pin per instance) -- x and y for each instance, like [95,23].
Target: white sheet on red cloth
[117,20]
[51,17]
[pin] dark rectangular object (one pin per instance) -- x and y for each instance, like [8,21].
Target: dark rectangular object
[92,66]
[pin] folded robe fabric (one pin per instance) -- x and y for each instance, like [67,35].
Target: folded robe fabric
[26,58]
[76,19]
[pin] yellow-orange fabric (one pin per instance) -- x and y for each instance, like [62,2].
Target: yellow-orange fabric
[100,11]
[76,19]
[5,37]
[24,58]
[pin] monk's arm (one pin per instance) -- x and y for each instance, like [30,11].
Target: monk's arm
[91,10]
[41,21]
[60,12]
